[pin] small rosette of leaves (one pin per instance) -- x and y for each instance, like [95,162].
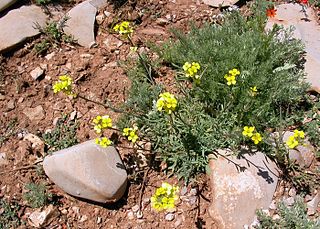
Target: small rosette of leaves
[165,197]
[167,102]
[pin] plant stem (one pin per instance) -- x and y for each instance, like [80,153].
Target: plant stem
[109,106]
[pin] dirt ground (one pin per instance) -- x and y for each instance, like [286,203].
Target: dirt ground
[98,76]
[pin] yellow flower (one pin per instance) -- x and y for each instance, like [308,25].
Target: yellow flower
[164,197]
[292,142]
[256,138]
[124,28]
[191,70]
[102,122]
[248,131]
[299,134]
[131,134]
[103,142]
[253,91]
[166,102]
[133,49]
[231,79]
[234,72]
[64,84]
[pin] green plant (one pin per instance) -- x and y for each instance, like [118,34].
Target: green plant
[37,195]
[63,135]
[294,217]
[8,130]
[9,214]
[246,77]
[42,47]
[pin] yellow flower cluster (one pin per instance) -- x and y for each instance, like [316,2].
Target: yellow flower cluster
[102,122]
[295,139]
[131,134]
[104,142]
[166,102]
[165,197]
[64,84]
[231,76]
[249,131]
[253,91]
[124,28]
[191,70]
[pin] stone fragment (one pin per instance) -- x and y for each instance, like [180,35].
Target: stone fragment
[313,204]
[220,3]
[10,105]
[169,217]
[40,219]
[88,171]
[81,23]
[6,3]
[34,113]
[19,24]
[303,155]
[289,201]
[3,159]
[50,55]
[130,215]
[99,4]
[135,208]
[238,191]
[34,140]
[308,30]
[36,73]
[292,192]
[139,214]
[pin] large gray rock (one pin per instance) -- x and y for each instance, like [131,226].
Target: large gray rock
[88,171]
[19,24]
[6,3]
[81,23]
[306,29]
[220,3]
[239,191]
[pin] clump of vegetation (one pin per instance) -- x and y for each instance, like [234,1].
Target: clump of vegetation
[9,214]
[46,2]
[37,195]
[63,135]
[290,217]
[53,35]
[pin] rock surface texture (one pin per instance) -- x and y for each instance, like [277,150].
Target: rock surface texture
[6,3]
[19,24]
[308,30]
[81,23]
[238,191]
[88,171]
[220,3]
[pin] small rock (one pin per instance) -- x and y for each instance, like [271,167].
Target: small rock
[73,115]
[135,208]
[3,160]
[292,192]
[184,191]
[139,214]
[10,105]
[169,217]
[36,73]
[88,171]
[35,140]
[44,66]
[99,220]
[49,56]
[193,200]
[68,65]
[86,56]
[289,201]
[76,209]
[220,3]
[313,204]
[193,192]
[100,18]
[64,211]
[276,217]
[130,215]
[2,97]
[178,222]
[308,198]
[162,21]
[106,13]
[83,218]
[34,114]
[42,218]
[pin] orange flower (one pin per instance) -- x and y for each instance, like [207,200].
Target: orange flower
[271,12]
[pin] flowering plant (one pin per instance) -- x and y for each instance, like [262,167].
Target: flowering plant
[165,197]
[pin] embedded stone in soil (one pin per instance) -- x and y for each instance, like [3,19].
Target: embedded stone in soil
[220,3]
[238,191]
[88,171]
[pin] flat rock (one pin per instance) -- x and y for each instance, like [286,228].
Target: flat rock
[6,3]
[81,23]
[220,3]
[40,219]
[88,171]
[19,24]
[99,4]
[303,155]
[239,191]
[36,73]
[34,113]
[306,29]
